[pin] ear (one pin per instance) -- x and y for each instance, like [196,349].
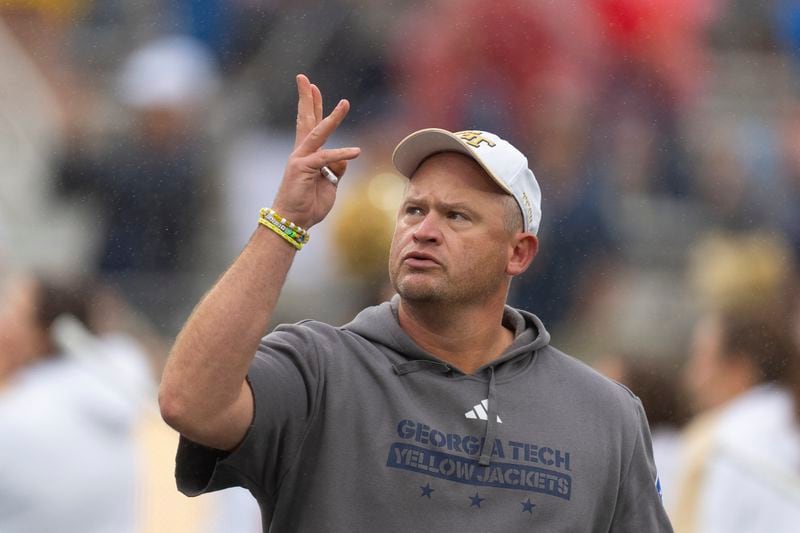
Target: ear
[522,250]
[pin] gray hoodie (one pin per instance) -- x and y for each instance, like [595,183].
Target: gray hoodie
[356,428]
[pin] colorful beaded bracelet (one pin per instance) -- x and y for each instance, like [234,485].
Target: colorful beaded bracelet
[289,231]
[289,228]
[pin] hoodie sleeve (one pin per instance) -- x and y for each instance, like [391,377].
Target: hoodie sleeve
[639,506]
[284,377]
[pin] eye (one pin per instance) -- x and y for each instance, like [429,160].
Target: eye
[413,210]
[457,215]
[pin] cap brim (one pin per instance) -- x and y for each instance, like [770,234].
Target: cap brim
[414,149]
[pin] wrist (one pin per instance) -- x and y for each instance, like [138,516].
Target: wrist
[299,218]
[292,233]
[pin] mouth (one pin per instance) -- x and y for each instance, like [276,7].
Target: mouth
[420,260]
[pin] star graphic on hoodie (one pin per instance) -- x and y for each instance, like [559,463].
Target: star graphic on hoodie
[426,491]
[476,500]
[527,506]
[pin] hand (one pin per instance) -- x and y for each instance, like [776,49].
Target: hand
[305,197]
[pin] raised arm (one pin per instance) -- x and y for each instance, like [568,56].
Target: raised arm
[203,393]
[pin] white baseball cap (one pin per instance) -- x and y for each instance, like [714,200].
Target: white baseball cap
[502,162]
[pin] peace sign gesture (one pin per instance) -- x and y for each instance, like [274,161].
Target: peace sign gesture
[305,197]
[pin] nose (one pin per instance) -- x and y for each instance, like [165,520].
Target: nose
[428,230]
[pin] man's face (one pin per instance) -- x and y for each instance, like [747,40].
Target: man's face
[450,243]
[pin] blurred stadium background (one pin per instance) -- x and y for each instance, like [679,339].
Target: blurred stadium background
[139,139]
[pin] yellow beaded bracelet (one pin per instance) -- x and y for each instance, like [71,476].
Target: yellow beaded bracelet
[296,233]
[288,231]
[266,223]
[268,212]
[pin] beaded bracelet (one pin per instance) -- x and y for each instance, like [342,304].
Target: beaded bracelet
[289,231]
[289,228]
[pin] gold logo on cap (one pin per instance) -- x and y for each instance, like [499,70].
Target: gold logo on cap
[474,138]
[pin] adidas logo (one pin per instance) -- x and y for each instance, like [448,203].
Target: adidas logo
[479,412]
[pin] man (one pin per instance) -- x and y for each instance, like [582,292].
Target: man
[67,450]
[440,410]
[741,453]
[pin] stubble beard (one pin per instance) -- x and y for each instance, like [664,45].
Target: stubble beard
[439,289]
[418,291]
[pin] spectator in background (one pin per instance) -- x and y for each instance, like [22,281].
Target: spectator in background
[740,377]
[741,466]
[153,185]
[656,382]
[156,181]
[67,414]
[79,449]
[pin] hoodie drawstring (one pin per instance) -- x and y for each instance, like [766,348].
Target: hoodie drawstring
[487,449]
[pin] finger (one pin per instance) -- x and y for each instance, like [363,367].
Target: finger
[329,157]
[338,167]
[334,172]
[305,109]
[317,137]
[317,96]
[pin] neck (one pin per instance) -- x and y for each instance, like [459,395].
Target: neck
[465,336]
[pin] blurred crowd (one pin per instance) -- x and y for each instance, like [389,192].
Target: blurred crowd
[138,141]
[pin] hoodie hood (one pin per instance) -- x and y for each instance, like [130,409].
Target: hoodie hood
[380,325]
